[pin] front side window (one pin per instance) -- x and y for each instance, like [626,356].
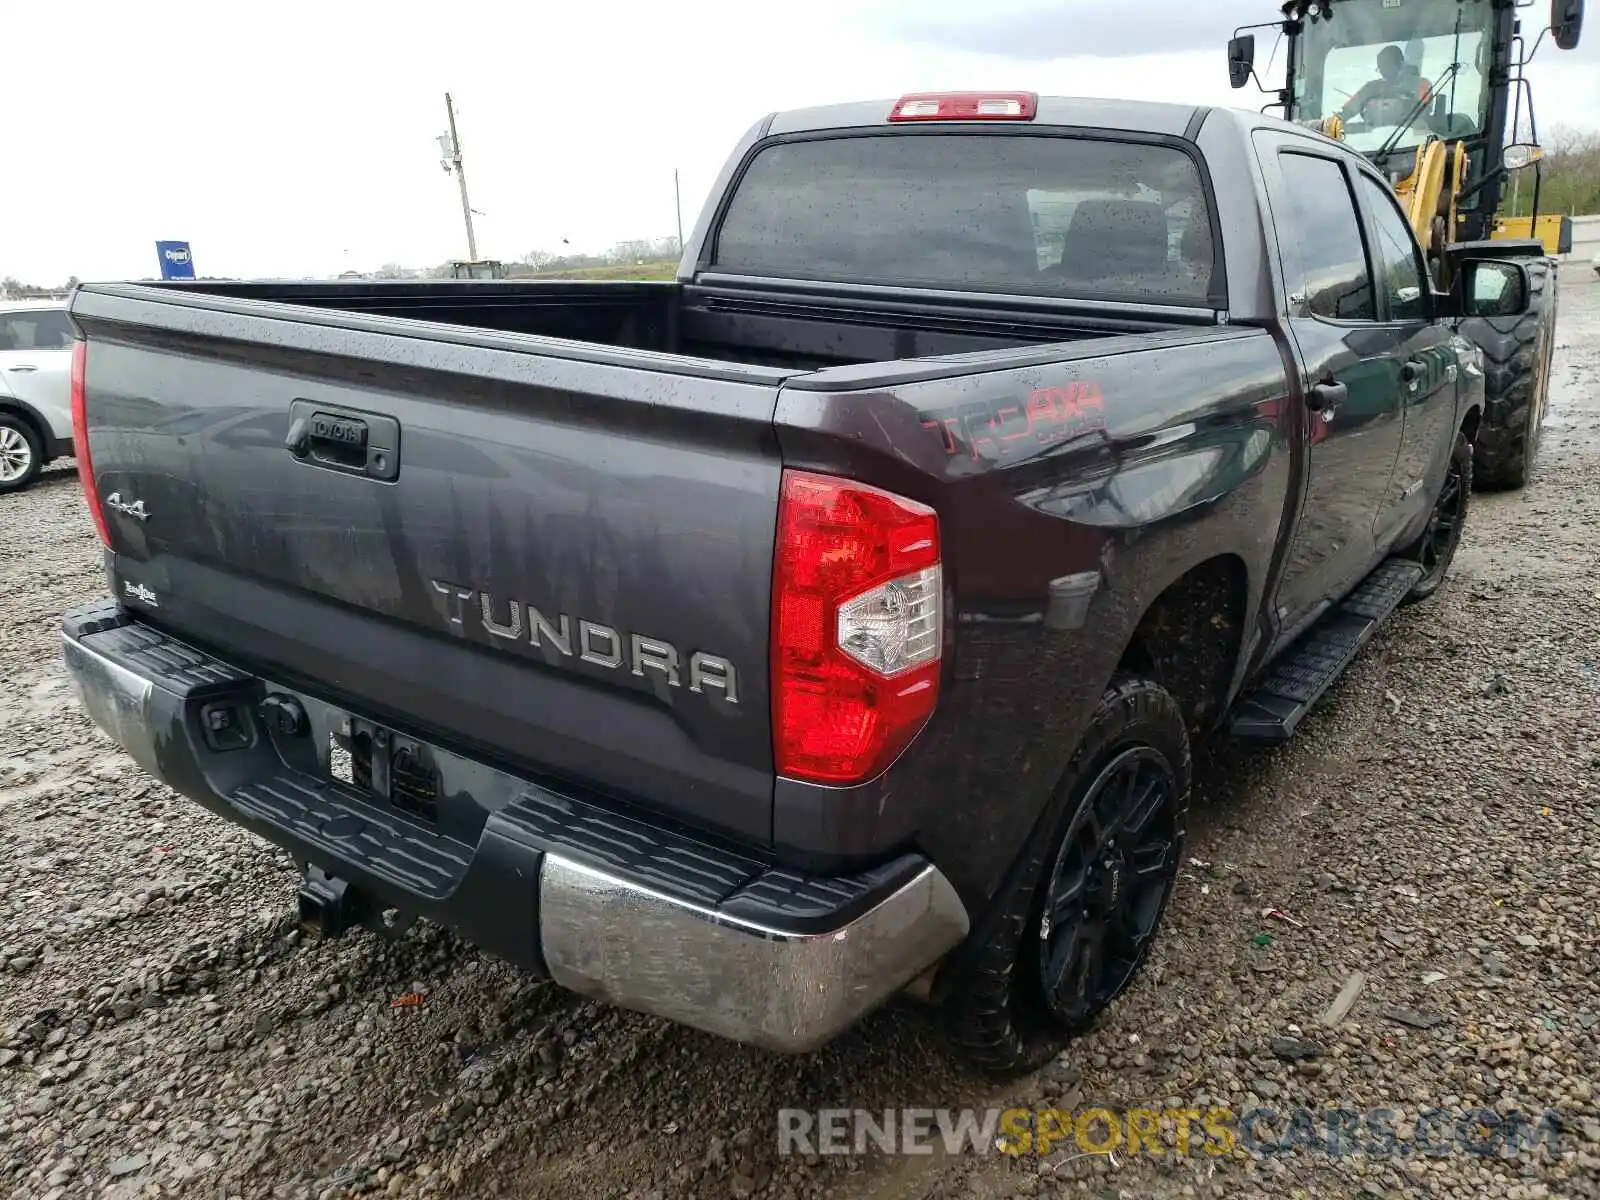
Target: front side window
[35,329]
[1012,213]
[1397,73]
[1399,268]
[1319,236]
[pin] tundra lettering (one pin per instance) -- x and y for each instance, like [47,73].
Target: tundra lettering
[598,644]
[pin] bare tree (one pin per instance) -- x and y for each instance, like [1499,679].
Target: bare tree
[1570,175]
[631,251]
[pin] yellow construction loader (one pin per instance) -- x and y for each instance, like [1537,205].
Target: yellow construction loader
[1435,92]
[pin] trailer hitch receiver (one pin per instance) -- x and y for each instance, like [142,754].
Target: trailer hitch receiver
[328,904]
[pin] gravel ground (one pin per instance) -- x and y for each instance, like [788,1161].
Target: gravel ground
[164,1030]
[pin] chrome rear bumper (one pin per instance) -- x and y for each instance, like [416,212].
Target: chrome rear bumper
[783,990]
[603,903]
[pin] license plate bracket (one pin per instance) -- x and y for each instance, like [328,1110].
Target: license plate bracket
[388,765]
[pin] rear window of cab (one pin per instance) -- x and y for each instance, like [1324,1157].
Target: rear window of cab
[1053,215]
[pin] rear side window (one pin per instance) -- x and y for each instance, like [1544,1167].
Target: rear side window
[1324,258]
[974,212]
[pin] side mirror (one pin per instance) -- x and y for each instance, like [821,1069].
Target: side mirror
[1521,154]
[1566,22]
[1494,288]
[1241,59]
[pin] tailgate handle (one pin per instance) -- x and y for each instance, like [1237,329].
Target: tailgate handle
[356,443]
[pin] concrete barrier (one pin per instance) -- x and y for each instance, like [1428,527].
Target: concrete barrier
[1585,239]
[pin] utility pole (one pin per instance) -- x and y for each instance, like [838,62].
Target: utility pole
[451,145]
[677,197]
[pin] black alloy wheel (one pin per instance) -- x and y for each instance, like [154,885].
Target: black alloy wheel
[1109,884]
[1444,526]
[1436,548]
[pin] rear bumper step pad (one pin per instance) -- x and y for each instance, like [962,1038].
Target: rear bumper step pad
[604,903]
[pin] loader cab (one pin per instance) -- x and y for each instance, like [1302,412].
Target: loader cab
[1400,73]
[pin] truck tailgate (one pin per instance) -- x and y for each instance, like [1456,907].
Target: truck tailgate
[551,555]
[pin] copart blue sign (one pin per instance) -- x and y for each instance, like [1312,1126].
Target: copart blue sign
[176,260]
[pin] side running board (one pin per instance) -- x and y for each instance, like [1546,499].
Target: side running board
[1275,708]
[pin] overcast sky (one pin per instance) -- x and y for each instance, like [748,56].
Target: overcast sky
[297,138]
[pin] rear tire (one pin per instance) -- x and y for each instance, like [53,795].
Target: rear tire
[1073,921]
[21,453]
[1436,548]
[1517,353]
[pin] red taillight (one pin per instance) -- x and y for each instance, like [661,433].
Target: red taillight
[80,440]
[966,106]
[857,597]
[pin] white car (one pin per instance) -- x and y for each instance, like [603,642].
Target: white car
[35,388]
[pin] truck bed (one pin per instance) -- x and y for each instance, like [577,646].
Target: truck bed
[738,321]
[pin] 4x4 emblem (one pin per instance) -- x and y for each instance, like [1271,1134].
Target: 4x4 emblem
[135,510]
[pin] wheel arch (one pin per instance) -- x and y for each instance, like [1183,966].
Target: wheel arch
[11,406]
[1189,638]
[1201,604]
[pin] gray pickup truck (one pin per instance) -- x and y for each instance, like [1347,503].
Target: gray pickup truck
[830,622]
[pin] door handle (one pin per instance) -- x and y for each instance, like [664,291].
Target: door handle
[1410,371]
[330,438]
[356,443]
[23,367]
[298,443]
[1325,397]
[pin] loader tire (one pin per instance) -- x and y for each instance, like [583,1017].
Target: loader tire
[1517,352]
